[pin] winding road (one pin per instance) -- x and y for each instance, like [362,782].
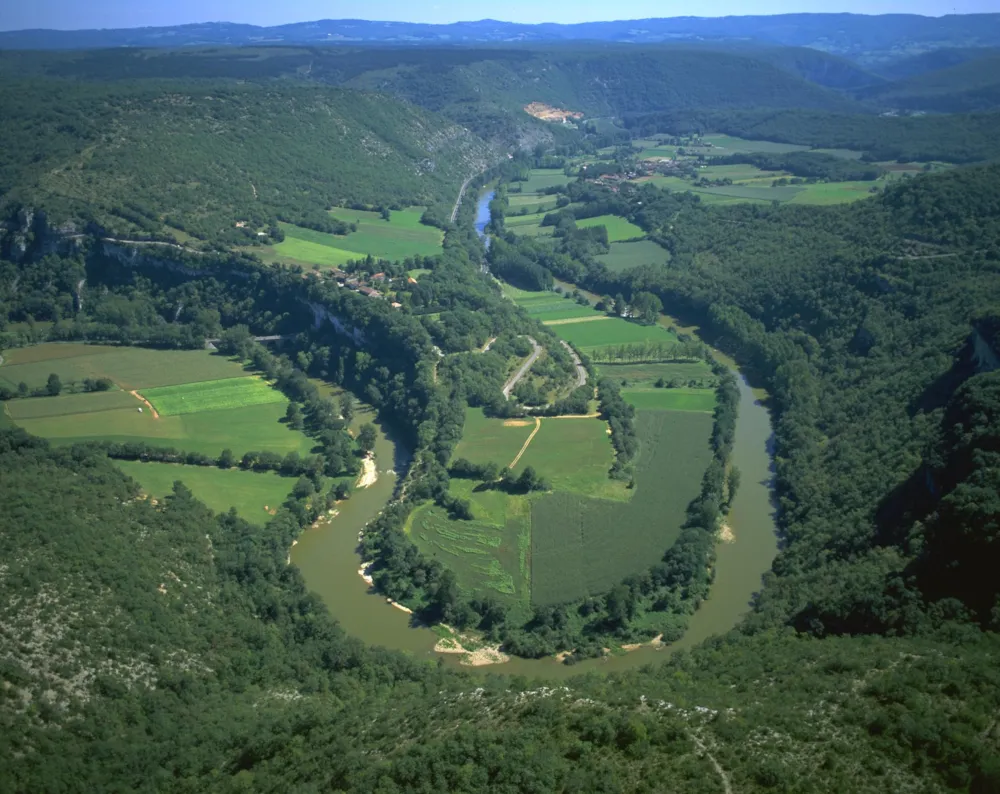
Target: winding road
[581,371]
[508,387]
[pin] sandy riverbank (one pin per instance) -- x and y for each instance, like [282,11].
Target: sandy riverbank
[369,474]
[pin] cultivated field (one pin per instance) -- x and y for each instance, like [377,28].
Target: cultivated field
[590,336]
[625,256]
[400,237]
[212,395]
[619,229]
[582,546]
[645,375]
[682,399]
[488,554]
[492,440]
[574,455]
[253,495]
[542,178]
[128,367]
[230,413]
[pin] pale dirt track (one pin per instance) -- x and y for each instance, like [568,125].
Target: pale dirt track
[146,402]
[527,443]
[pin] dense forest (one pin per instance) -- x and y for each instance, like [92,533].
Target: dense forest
[160,647]
[218,163]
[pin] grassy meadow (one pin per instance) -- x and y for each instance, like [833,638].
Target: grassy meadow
[487,440]
[400,237]
[625,256]
[233,410]
[212,395]
[592,336]
[253,494]
[619,229]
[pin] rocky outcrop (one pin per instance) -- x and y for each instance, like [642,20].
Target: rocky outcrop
[321,314]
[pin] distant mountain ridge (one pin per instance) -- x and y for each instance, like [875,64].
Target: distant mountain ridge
[854,35]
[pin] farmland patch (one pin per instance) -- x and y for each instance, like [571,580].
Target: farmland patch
[625,256]
[129,367]
[486,440]
[594,336]
[253,494]
[582,546]
[213,395]
[682,399]
[619,229]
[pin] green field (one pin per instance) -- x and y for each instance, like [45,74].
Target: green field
[729,144]
[638,375]
[70,404]
[128,367]
[488,554]
[682,399]
[542,178]
[582,546]
[555,307]
[402,236]
[491,440]
[574,455]
[532,202]
[256,427]
[625,256]
[115,416]
[835,192]
[587,336]
[252,494]
[212,395]
[619,229]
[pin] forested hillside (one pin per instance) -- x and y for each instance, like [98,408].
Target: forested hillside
[963,88]
[220,162]
[148,644]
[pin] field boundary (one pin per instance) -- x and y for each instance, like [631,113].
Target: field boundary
[574,320]
[527,443]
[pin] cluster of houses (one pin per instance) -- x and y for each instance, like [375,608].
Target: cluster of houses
[364,284]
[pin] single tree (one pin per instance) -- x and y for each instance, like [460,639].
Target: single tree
[227,459]
[54,385]
[367,437]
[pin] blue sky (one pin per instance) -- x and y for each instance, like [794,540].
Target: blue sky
[72,14]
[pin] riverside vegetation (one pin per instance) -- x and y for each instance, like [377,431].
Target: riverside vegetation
[168,647]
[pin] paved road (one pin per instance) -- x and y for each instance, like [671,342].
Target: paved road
[461,195]
[581,371]
[508,387]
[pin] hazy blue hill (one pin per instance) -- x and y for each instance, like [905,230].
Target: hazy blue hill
[874,37]
[969,86]
[912,66]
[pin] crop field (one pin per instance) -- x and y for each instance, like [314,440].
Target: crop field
[589,336]
[490,553]
[487,440]
[246,423]
[619,229]
[729,144]
[402,236]
[835,192]
[582,546]
[637,375]
[682,399]
[253,494]
[542,178]
[212,395]
[574,455]
[552,306]
[625,256]
[128,367]
[533,202]
[255,427]
[70,404]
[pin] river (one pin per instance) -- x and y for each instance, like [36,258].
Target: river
[327,555]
